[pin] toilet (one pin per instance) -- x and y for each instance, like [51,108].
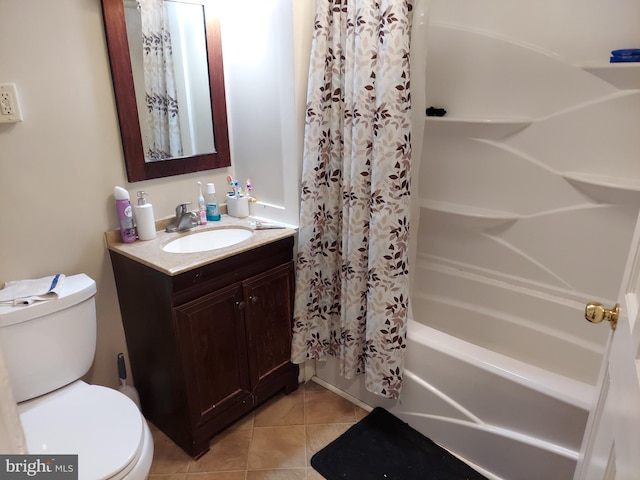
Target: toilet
[47,347]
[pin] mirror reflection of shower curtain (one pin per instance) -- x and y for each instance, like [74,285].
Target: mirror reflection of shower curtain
[163,125]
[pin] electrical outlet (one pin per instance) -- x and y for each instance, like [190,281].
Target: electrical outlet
[6,105]
[9,105]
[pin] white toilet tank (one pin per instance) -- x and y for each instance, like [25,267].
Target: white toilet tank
[49,344]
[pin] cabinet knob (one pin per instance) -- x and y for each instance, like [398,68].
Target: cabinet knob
[253,299]
[241,305]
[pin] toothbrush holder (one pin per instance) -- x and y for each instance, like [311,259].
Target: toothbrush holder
[238,206]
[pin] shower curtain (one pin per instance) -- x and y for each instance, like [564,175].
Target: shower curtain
[163,124]
[352,267]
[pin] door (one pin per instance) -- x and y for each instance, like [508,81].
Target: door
[611,446]
[211,338]
[269,314]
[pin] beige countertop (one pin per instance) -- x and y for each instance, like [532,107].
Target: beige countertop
[150,253]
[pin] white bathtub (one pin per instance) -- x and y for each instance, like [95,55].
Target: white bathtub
[512,419]
[514,400]
[542,328]
[501,374]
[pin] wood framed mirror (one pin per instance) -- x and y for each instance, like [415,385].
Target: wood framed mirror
[138,165]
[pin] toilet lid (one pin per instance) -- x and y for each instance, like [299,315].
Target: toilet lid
[102,426]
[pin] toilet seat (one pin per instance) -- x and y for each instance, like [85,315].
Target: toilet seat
[102,426]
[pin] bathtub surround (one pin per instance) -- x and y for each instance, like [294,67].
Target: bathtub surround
[513,177]
[352,270]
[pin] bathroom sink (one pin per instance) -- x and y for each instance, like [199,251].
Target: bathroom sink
[208,240]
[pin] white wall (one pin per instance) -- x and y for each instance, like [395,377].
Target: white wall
[258,50]
[58,167]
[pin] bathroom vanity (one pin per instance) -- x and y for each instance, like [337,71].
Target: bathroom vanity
[208,333]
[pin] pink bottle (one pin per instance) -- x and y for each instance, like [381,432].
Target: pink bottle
[125,215]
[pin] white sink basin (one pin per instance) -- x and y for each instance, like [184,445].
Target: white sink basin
[208,240]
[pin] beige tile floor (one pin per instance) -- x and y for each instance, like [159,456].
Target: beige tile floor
[275,442]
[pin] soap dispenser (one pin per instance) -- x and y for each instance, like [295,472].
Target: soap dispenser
[145,221]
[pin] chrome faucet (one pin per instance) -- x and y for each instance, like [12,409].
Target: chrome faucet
[184,220]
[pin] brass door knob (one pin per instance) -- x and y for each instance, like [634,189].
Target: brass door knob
[596,313]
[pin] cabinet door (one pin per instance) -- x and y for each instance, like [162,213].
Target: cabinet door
[211,338]
[268,316]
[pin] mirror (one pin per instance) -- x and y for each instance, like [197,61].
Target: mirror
[214,151]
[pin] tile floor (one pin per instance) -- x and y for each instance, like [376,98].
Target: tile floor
[275,442]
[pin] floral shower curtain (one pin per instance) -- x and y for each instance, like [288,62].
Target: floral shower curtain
[352,268]
[163,124]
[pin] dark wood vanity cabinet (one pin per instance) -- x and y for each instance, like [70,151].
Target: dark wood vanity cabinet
[211,337]
[209,345]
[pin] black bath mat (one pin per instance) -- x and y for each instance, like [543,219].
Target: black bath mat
[381,446]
